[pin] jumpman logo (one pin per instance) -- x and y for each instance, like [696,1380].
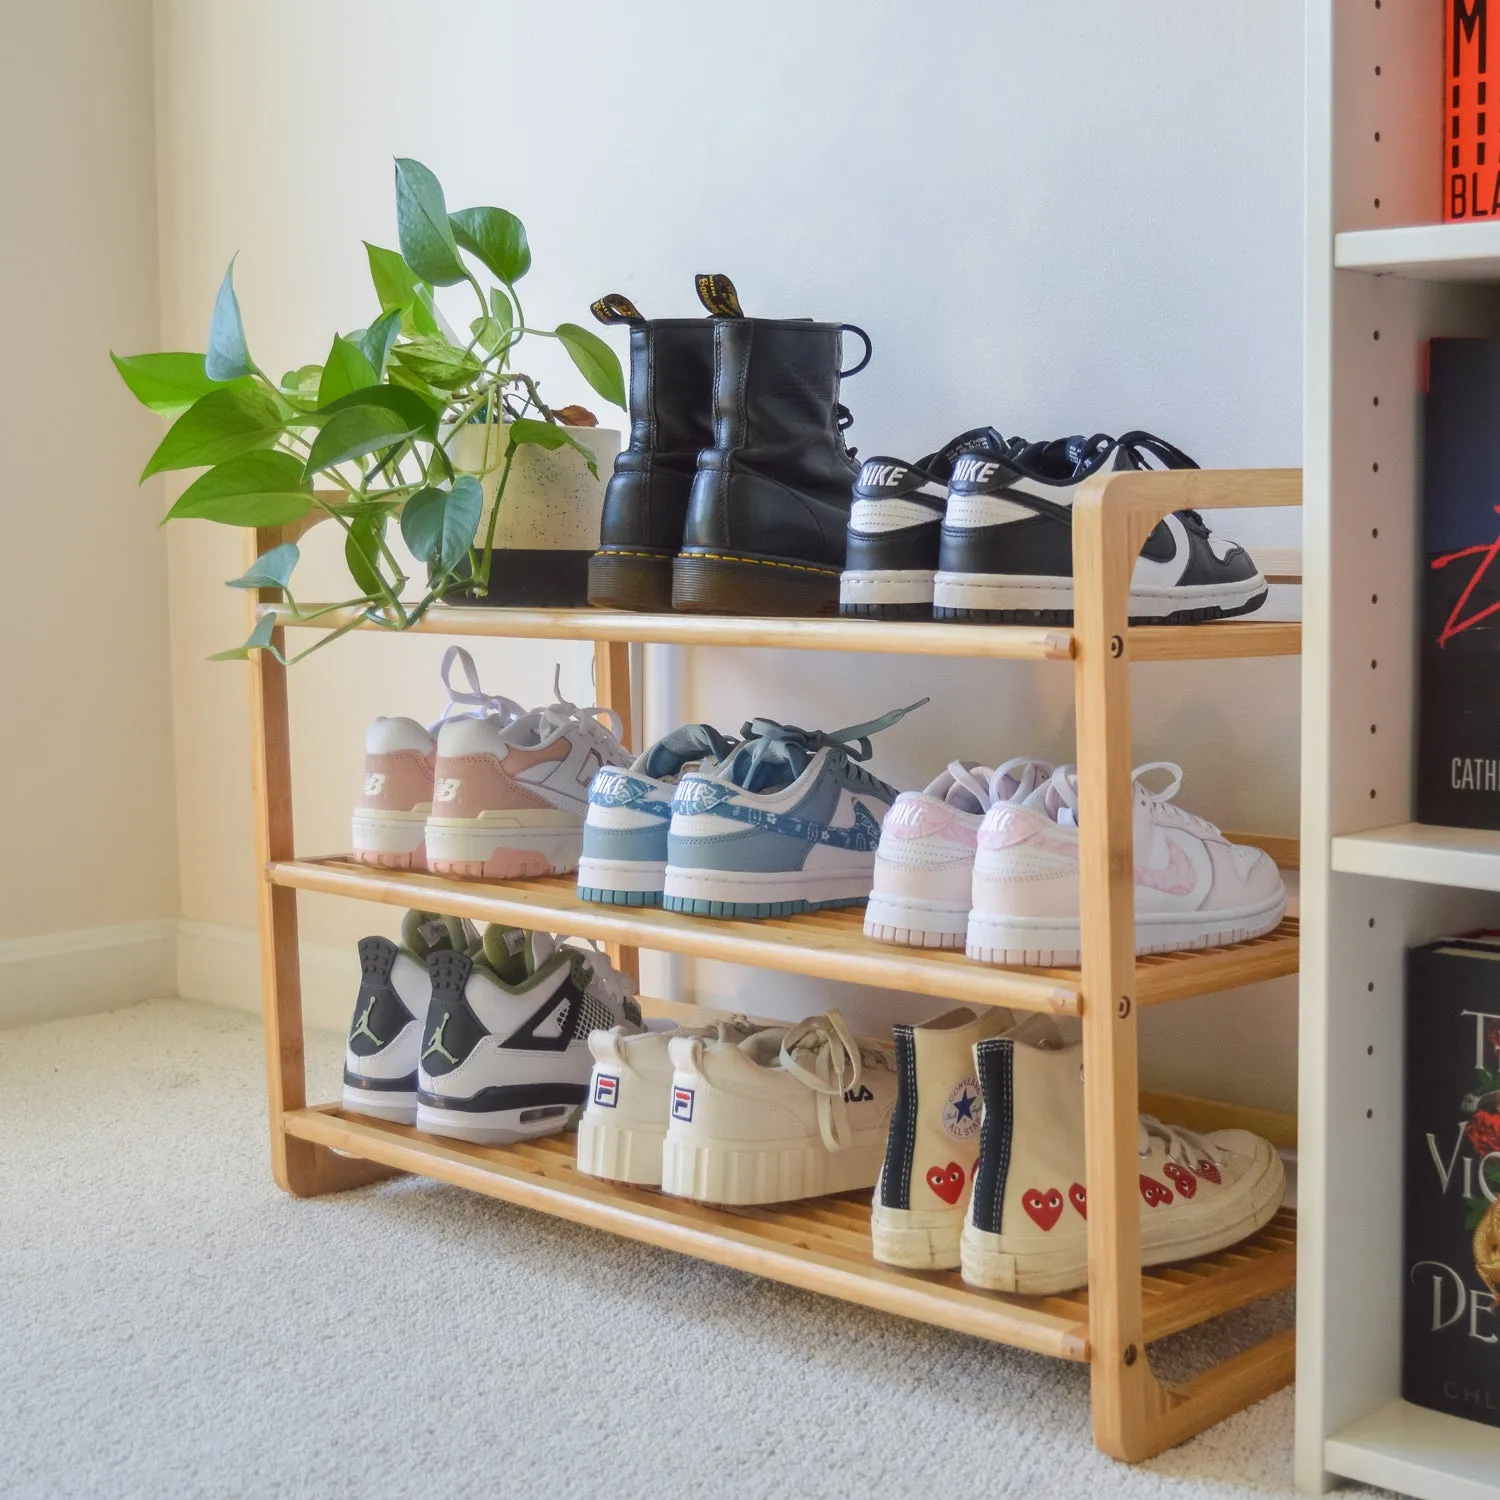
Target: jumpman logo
[362,1025]
[436,1044]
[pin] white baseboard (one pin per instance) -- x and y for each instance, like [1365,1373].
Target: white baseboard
[221,965]
[88,970]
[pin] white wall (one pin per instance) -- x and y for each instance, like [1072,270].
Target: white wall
[1053,219]
[88,887]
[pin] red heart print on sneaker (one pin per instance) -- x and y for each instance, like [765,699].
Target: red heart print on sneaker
[1044,1208]
[1078,1196]
[1155,1192]
[947,1182]
[1182,1179]
[1209,1172]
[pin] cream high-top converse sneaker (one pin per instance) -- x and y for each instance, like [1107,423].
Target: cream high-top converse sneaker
[933,1147]
[1026,1230]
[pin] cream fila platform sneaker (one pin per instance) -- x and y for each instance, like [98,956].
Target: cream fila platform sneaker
[1027,1229]
[933,1146]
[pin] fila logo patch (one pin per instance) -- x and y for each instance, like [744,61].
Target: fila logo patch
[973,471]
[606,1090]
[445,789]
[374,783]
[862,1095]
[682,1103]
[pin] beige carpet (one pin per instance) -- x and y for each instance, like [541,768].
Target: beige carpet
[171,1324]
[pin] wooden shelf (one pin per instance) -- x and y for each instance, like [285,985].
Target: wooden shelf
[820,1244]
[1423,252]
[1467,857]
[1419,1452]
[885,637]
[829,944]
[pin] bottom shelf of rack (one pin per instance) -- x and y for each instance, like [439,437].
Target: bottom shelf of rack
[1419,1452]
[820,1244]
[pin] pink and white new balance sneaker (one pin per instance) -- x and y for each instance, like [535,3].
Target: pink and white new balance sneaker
[390,820]
[1193,888]
[509,798]
[924,866]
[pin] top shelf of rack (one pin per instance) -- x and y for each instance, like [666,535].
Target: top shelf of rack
[1423,252]
[886,637]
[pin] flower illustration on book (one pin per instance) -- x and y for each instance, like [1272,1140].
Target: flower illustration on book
[1484,1132]
[1487,1251]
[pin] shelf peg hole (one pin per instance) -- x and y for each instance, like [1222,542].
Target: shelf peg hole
[1374,531]
[1372,921]
[1372,794]
[1377,203]
[1372,729]
[1131,1354]
[1377,400]
[1374,468]
[1377,135]
[1370,1050]
[1369,1114]
[1377,335]
[1377,70]
[1370,989]
[1374,598]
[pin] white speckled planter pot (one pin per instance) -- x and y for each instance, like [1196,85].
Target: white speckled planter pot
[549,517]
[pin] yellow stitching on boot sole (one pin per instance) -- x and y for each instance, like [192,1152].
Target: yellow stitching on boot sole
[760,562]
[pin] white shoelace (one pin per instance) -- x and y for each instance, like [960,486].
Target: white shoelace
[1186,1147]
[565,715]
[964,777]
[476,703]
[822,1053]
[1016,769]
[1163,809]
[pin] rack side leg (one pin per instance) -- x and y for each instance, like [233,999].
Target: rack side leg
[612,688]
[299,1167]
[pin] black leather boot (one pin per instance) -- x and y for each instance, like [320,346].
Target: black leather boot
[770,504]
[671,420]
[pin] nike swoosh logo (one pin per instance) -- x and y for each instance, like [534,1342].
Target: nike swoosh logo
[1178,879]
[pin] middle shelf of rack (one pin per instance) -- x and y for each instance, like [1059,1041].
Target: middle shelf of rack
[824,945]
[819,1244]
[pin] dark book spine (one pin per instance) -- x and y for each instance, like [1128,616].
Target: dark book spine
[1451,1328]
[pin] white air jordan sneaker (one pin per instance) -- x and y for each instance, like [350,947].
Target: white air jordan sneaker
[630,1098]
[924,866]
[782,1115]
[1193,888]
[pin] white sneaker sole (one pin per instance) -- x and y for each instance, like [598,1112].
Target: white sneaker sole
[741,1173]
[762,893]
[390,840]
[400,1108]
[916,1239]
[620,1153]
[1046,942]
[498,1127]
[1030,592]
[886,586]
[505,846]
[621,878]
[986,1263]
[916,923]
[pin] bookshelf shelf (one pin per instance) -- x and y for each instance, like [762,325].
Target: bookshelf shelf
[1466,857]
[1419,1452]
[1423,252]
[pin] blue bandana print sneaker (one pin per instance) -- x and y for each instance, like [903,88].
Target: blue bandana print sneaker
[624,859]
[789,822]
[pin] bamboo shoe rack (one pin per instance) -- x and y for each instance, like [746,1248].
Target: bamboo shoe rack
[823,1245]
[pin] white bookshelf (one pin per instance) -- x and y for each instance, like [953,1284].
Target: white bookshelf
[1383,277]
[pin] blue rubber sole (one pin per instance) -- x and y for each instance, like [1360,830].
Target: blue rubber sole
[619,898]
[694,907]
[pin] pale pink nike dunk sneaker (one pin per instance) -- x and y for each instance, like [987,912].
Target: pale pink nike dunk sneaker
[509,798]
[1193,888]
[924,866]
[390,820]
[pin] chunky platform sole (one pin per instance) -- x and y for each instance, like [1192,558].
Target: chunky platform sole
[760,893]
[621,882]
[619,1153]
[985,1260]
[1024,599]
[389,840]
[740,1174]
[499,1127]
[915,923]
[916,1239]
[738,584]
[396,1105]
[475,849]
[886,594]
[632,580]
[1046,942]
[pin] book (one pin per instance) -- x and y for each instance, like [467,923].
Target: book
[1471,185]
[1451,1319]
[1458,735]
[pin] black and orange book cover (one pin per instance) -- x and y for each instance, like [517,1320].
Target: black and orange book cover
[1471,159]
[1458,738]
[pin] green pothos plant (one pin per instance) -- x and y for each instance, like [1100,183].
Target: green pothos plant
[367,437]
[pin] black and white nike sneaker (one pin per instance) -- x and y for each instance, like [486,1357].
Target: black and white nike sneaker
[895,527]
[1007,541]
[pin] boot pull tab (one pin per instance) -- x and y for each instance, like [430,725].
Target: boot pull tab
[869,350]
[716,292]
[616,307]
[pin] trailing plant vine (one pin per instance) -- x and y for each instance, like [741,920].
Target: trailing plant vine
[367,437]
